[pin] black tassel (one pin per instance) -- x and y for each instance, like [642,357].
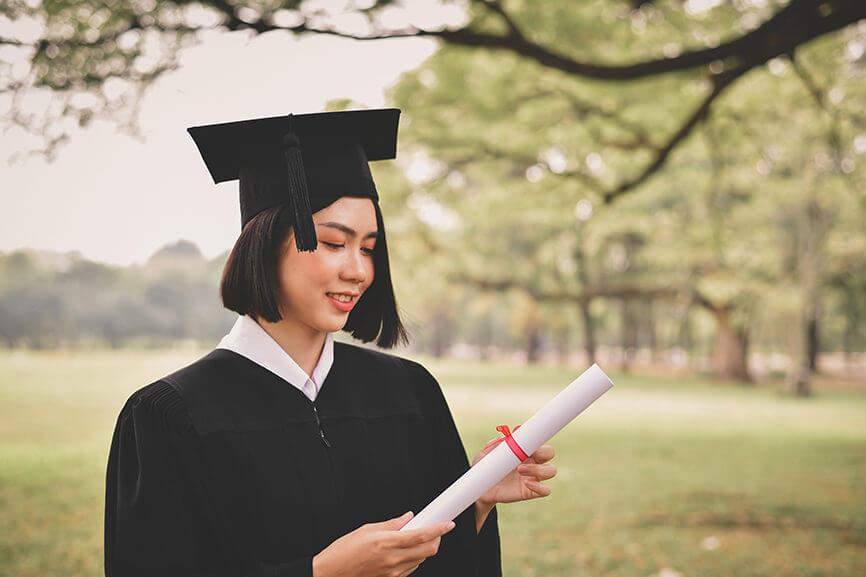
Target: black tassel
[305,231]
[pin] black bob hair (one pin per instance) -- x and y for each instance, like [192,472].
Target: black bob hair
[250,284]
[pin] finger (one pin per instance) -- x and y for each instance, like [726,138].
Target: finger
[540,489]
[409,571]
[540,472]
[419,553]
[391,524]
[493,442]
[415,537]
[543,454]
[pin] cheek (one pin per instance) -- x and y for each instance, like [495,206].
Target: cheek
[304,273]
[322,268]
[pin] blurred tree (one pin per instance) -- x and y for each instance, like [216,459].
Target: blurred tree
[51,300]
[523,156]
[99,57]
[754,109]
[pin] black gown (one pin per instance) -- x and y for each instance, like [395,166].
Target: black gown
[223,468]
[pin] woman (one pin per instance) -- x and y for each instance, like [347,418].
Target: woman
[283,452]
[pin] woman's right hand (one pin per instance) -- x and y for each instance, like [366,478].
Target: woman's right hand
[380,550]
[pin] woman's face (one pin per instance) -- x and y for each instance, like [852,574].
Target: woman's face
[319,288]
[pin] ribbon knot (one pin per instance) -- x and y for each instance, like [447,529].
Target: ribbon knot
[512,444]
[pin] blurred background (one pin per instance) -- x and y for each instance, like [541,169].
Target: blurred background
[673,189]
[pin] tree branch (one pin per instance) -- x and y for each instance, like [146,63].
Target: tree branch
[791,26]
[721,82]
[4,41]
[661,153]
[640,138]
[808,82]
[497,7]
[584,296]
[834,137]
[596,291]
[794,25]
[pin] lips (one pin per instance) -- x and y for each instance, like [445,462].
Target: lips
[344,302]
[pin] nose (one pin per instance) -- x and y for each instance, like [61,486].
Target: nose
[355,269]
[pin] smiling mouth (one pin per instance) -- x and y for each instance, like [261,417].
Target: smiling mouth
[343,298]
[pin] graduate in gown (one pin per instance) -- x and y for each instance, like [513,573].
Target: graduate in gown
[282,452]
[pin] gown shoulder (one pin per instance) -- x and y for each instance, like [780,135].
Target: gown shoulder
[373,362]
[157,405]
[221,365]
[205,394]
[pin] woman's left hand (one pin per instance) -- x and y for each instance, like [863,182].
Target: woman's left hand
[523,483]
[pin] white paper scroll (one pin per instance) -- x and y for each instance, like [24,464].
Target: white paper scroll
[499,462]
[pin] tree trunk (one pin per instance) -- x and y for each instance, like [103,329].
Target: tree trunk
[562,345]
[485,342]
[812,343]
[800,382]
[585,313]
[684,337]
[651,333]
[441,336]
[800,378]
[852,320]
[730,353]
[533,344]
[813,231]
[626,330]
[588,332]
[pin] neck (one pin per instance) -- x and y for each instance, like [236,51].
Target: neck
[301,343]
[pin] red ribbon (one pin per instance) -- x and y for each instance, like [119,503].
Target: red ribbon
[512,444]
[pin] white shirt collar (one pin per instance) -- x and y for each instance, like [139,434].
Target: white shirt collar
[250,340]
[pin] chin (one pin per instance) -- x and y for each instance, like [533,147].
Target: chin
[335,328]
[333,324]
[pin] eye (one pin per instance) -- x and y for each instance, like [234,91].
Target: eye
[335,246]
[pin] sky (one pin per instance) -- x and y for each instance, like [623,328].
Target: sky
[117,199]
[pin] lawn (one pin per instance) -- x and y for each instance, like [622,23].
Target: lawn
[661,477]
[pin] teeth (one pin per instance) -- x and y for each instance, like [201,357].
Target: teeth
[342,298]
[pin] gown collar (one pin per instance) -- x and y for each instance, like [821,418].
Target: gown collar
[250,340]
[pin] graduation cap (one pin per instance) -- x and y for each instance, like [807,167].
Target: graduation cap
[307,161]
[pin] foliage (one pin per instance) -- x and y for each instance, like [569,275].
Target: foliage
[534,117]
[753,216]
[49,300]
[97,58]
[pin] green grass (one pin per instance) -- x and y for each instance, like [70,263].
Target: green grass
[660,477]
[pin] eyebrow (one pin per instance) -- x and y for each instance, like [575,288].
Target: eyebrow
[349,231]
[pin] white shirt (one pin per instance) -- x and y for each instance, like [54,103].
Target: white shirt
[250,340]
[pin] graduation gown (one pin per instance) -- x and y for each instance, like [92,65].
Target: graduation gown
[223,468]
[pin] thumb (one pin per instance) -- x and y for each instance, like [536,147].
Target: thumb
[397,522]
[491,444]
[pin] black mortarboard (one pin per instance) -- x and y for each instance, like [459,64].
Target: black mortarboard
[305,160]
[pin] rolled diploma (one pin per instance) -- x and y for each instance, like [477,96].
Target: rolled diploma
[495,465]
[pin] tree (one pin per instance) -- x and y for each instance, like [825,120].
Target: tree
[98,57]
[519,150]
[524,122]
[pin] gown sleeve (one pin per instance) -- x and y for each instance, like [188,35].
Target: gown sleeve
[453,462]
[159,519]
